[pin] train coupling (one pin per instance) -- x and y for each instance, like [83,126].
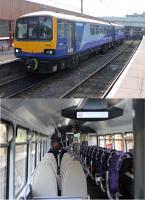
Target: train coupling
[32,64]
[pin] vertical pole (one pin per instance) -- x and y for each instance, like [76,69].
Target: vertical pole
[139,138]
[10,34]
[82,7]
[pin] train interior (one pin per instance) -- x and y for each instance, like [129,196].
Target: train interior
[70,149]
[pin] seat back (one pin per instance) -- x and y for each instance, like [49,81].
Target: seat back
[50,155]
[49,161]
[52,160]
[64,163]
[44,182]
[113,175]
[74,181]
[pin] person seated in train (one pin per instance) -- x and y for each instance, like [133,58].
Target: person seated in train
[127,181]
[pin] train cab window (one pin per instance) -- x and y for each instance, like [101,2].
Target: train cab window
[101,141]
[129,138]
[21,31]
[119,142]
[31,28]
[108,139]
[3,159]
[20,160]
[45,30]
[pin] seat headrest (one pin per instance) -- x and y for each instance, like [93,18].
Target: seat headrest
[126,164]
[52,163]
[74,181]
[44,181]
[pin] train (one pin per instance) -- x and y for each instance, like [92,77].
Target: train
[72,149]
[49,42]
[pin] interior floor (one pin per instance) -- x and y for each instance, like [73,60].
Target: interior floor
[94,191]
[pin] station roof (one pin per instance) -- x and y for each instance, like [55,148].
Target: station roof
[12,9]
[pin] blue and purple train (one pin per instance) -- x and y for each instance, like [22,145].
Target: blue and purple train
[49,41]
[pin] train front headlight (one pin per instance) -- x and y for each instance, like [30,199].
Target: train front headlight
[49,51]
[18,50]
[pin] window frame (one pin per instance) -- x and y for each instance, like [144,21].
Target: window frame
[33,142]
[122,134]
[128,140]
[9,128]
[101,139]
[27,158]
[108,140]
[33,39]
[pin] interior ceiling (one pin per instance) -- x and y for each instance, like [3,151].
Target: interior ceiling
[117,125]
[45,114]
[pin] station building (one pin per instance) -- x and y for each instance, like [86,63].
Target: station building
[134,24]
[10,10]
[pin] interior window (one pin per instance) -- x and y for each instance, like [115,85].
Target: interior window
[92,140]
[129,138]
[20,160]
[119,142]
[108,139]
[101,141]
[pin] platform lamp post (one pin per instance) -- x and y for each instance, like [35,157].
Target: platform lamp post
[10,34]
[82,6]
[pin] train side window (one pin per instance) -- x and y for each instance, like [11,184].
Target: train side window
[129,138]
[61,29]
[92,30]
[119,142]
[101,141]
[108,139]
[21,160]
[3,159]
[97,30]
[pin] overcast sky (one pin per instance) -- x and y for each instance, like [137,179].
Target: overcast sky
[99,7]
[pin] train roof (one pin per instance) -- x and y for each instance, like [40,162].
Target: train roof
[66,17]
[118,25]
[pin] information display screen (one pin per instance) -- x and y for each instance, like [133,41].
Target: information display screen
[92,115]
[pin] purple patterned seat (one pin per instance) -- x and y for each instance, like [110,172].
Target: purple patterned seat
[113,175]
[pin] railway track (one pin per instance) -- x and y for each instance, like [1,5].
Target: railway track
[59,84]
[19,85]
[101,81]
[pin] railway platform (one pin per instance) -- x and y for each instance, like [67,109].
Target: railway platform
[6,56]
[131,83]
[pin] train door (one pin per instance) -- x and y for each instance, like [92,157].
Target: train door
[113,34]
[70,37]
